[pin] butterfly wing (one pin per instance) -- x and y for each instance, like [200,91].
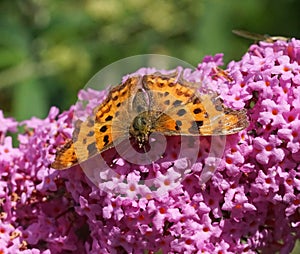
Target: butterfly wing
[259,37]
[178,110]
[65,157]
[186,112]
[111,117]
[96,134]
[77,149]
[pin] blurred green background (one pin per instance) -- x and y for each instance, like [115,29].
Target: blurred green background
[49,49]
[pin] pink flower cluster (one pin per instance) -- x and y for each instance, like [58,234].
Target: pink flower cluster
[251,203]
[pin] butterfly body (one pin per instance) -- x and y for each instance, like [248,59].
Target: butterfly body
[142,105]
[141,127]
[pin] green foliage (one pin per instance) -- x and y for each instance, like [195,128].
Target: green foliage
[49,49]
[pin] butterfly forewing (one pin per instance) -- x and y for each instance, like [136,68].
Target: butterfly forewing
[111,114]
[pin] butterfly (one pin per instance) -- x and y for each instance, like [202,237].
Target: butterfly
[259,37]
[142,105]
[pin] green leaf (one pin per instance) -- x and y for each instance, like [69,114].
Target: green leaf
[29,100]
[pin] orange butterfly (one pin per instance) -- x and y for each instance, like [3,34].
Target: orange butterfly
[148,104]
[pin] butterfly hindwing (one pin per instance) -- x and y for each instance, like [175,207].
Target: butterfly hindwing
[65,157]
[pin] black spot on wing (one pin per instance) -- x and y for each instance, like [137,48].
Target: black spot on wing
[90,134]
[199,123]
[108,118]
[195,127]
[167,102]
[177,103]
[106,140]
[197,111]
[92,149]
[196,101]
[103,129]
[179,123]
[181,112]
